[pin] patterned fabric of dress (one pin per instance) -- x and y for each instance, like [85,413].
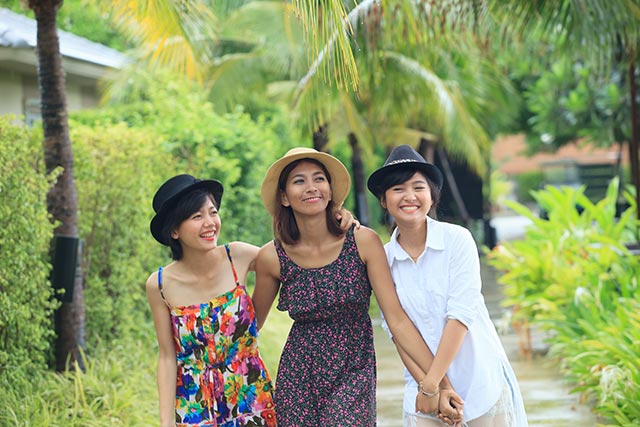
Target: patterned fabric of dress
[327,372]
[221,380]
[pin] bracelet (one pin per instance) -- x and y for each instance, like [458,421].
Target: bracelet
[426,393]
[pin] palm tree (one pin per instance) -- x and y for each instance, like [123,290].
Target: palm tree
[595,31]
[62,200]
[430,93]
[604,31]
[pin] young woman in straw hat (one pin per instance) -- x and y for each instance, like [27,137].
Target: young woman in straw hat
[436,268]
[324,278]
[210,372]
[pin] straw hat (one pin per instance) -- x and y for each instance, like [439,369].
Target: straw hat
[340,179]
[169,193]
[403,157]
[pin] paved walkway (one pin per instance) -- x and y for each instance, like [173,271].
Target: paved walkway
[547,397]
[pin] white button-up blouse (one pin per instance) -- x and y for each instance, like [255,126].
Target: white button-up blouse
[445,284]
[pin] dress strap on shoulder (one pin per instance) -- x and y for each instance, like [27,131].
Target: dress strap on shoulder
[160,287]
[233,268]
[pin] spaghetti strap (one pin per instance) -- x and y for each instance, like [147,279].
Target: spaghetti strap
[160,288]
[233,268]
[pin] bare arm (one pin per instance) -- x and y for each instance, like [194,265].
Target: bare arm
[244,256]
[404,332]
[167,364]
[452,337]
[448,402]
[267,282]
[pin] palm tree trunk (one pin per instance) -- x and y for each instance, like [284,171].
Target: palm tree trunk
[359,180]
[62,199]
[427,149]
[321,138]
[453,186]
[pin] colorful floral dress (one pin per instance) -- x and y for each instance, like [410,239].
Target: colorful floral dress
[327,373]
[221,379]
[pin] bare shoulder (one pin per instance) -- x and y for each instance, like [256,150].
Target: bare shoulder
[267,259]
[267,251]
[365,236]
[368,243]
[152,283]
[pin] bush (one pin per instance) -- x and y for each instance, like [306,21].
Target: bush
[572,275]
[116,170]
[26,296]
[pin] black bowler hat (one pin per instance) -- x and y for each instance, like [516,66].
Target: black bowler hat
[403,157]
[169,193]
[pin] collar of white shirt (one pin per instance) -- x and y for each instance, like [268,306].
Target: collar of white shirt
[435,240]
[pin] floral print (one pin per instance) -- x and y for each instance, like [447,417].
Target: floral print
[327,373]
[221,379]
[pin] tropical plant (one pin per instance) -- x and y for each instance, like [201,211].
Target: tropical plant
[543,270]
[572,275]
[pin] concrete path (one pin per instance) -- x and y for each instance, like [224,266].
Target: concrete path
[546,395]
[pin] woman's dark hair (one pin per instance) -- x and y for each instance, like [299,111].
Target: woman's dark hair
[182,209]
[285,226]
[402,175]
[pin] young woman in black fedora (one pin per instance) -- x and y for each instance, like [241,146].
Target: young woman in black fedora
[209,369]
[324,278]
[436,269]
[210,372]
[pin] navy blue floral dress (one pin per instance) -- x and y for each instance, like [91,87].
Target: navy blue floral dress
[327,372]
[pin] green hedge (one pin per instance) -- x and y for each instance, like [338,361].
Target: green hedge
[26,303]
[116,170]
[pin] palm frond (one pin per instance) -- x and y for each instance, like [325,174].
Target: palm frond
[461,133]
[173,34]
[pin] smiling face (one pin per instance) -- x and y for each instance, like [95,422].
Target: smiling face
[200,229]
[307,189]
[408,201]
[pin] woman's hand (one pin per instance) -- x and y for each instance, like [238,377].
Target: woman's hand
[450,407]
[427,405]
[346,219]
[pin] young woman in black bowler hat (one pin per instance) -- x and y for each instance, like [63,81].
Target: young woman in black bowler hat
[210,372]
[436,269]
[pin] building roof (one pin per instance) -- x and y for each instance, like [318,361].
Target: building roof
[509,155]
[20,32]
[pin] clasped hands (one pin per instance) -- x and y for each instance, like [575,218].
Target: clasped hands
[445,403]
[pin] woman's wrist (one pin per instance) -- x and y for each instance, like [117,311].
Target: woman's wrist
[428,392]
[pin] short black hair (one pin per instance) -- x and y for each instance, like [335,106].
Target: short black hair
[402,175]
[183,208]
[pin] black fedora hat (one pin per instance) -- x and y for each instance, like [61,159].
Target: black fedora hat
[169,193]
[403,157]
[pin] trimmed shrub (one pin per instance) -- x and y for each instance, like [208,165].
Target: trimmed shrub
[116,169]
[26,295]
